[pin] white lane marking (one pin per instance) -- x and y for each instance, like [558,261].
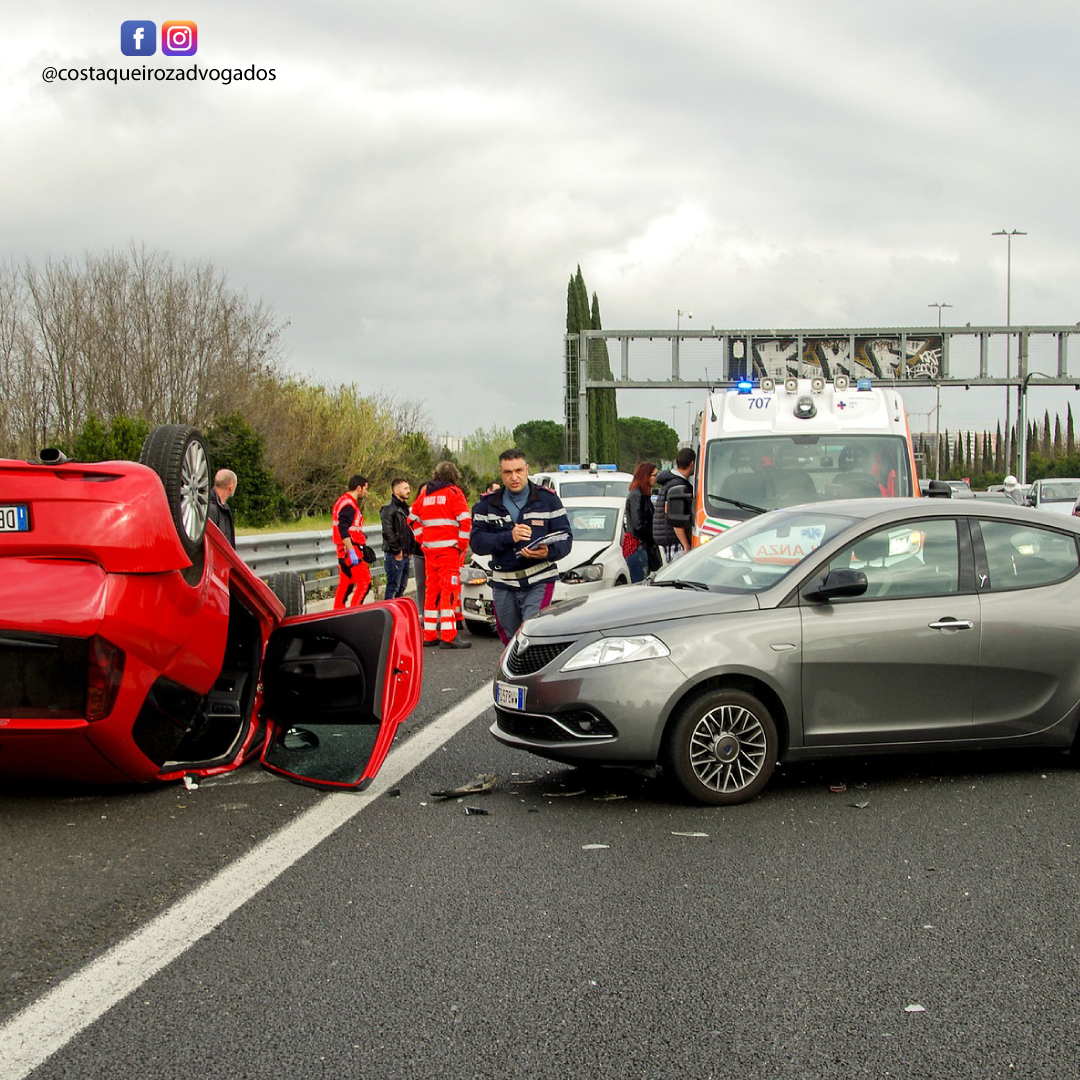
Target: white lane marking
[49,1023]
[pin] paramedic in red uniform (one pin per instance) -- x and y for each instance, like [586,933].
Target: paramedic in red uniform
[354,575]
[440,520]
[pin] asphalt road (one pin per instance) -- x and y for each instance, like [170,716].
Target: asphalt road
[922,922]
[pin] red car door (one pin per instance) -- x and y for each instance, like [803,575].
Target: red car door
[335,688]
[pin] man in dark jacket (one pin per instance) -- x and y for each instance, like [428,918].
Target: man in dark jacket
[397,538]
[525,530]
[673,535]
[220,512]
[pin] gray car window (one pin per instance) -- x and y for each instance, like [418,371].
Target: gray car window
[1023,556]
[916,558]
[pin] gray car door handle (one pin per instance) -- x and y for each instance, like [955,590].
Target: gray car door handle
[952,624]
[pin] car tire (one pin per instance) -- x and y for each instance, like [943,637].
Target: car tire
[177,453]
[721,748]
[479,628]
[288,587]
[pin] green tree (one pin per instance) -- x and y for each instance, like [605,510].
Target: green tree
[541,441]
[480,452]
[417,458]
[603,409]
[603,413]
[121,441]
[642,439]
[232,443]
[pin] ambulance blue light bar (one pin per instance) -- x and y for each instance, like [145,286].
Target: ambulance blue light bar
[745,386]
[863,384]
[585,467]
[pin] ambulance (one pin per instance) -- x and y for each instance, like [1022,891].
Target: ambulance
[780,442]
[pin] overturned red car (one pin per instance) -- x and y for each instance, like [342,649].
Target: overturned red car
[136,646]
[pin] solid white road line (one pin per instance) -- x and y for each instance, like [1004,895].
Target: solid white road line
[49,1023]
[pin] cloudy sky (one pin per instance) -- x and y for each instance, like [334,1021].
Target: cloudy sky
[414,188]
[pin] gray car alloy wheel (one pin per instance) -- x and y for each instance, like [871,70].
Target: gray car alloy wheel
[722,748]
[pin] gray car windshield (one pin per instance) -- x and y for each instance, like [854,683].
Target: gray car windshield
[755,555]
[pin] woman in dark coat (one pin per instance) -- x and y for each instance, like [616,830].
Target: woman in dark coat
[639,517]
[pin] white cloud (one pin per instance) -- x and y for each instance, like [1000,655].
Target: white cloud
[414,189]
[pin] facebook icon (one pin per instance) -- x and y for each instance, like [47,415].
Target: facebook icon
[138,37]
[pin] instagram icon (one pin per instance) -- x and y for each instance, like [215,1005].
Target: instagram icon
[179,38]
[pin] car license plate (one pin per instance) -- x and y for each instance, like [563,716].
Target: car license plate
[15,518]
[509,696]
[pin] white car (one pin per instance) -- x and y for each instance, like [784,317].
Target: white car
[573,482]
[1056,495]
[595,561]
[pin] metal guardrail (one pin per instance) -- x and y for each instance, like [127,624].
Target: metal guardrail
[310,554]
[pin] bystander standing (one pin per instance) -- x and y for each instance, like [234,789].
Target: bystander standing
[640,557]
[220,512]
[671,527]
[398,542]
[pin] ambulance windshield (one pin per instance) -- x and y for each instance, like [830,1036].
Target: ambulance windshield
[771,471]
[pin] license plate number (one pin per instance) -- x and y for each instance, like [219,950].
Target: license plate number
[14,518]
[509,696]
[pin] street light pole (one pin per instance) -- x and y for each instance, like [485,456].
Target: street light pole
[1008,234]
[678,317]
[937,410]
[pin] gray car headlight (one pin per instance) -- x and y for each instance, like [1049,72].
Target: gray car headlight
[619,650]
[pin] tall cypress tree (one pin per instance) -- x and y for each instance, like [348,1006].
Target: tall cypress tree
[603,411]
[603,416]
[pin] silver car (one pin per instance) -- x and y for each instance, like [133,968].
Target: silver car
[1056,495]
[815,631]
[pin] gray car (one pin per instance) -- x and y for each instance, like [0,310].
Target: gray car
[816,631]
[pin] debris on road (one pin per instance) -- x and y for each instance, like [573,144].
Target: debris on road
[481,784]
